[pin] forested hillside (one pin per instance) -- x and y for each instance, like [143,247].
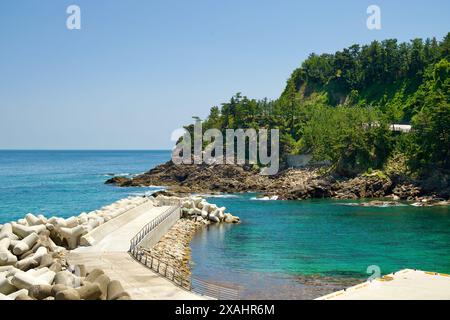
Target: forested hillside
[339,106]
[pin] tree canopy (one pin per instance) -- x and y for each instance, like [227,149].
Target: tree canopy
[338,107]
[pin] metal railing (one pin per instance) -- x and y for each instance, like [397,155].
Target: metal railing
[162,268]
[214,290]
[152,225]
[179,278]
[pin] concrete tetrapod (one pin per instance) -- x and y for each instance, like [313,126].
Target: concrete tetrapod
[90,291]
[6,257]
[103,282]
[80,270]
[22,230]
[68,279]
[94,274]
[33,260]
[24,280]
[25,244]
[17,293]
[71,236]
[40,291]
[6,232]
[115,290]
[32,220]
[46,260]
[68,294]
[57,288]
[33,267]
[6,287]
[56,267]
[24,296]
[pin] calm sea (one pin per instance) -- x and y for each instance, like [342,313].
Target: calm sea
[66,183]
[305,249]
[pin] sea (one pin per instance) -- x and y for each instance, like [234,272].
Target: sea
[281,250]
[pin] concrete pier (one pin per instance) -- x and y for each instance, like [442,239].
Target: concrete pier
[109,252]
[406,284]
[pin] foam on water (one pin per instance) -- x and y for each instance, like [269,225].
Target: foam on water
[272,198]
[217,195]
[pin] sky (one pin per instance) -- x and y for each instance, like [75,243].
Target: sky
[138,70]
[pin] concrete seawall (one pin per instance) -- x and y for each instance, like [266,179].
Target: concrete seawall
[110,253]
[156,234]
[107,228]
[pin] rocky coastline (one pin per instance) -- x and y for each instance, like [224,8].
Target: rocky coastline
[290,184]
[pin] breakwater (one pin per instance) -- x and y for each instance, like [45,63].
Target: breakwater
[33,253]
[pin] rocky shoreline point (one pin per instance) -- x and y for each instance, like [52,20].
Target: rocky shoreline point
[33,254]
[289,184]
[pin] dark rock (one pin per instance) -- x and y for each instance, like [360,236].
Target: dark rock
[289,184]
[119,181]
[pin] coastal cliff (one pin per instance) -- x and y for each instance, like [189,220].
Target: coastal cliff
[342,109]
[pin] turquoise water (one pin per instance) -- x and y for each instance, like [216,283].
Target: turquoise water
[65,183]
[278,244]
[285,240]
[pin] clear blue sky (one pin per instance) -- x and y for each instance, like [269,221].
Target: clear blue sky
[137,70]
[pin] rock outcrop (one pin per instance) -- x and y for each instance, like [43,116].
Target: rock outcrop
[199,178]
[121,181]
[289,184]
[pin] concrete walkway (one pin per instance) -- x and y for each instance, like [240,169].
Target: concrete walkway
[406,284]
[110,254]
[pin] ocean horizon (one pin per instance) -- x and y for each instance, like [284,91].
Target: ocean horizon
[68,182]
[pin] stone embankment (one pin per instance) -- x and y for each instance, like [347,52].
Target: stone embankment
[33,257]
[173,249]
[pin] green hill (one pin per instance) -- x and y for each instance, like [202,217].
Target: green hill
[332,102]
[382,74]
